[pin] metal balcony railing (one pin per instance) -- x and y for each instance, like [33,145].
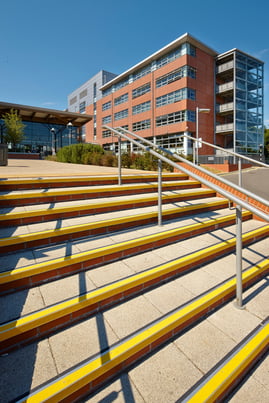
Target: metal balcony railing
[227,127]
[225,87]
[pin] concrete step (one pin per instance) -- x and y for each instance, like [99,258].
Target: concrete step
[139,314]
[32,326]
[25,197]
[60,182]
[228,374]
[37,273]
[21,215]
[52,236]
[144,343]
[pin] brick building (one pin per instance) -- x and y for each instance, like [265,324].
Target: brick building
[160,97]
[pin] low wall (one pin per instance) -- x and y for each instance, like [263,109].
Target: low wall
[254,202]
[226,167]
[24,156]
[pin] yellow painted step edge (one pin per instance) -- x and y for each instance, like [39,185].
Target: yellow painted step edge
[229,372]
[85,178]
[85,374]
[58,210]
[94,189]
[46,315]
[14,240]
[53,264]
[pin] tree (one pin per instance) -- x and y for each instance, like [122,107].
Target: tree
[14,127]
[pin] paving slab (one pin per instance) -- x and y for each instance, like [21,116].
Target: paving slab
[165,376]
[81,341]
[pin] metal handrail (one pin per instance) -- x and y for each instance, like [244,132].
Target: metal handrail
[201,169]
[239,202]
[226,151]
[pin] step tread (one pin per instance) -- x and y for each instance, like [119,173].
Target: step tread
[112,334]
[30,210]
[159,377]
[118,246]
[24,233]
[90,189]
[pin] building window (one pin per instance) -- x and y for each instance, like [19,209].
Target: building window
[137,92]
[83,93]
[106,106]
[185,71]
[82,107]
[175,96]
[120,115]
[106,119]
[143,125]
[176,117]
[184,49]
[121,84]
[107,92]
[94,90]
[120,100]
[106,133]
[145,106]
[73,100]
[142,72]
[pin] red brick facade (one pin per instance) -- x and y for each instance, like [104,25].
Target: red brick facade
[203,86]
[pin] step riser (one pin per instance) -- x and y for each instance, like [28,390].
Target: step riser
[86,196]
[41,184]
[76,212]
[93,262]
[51,240]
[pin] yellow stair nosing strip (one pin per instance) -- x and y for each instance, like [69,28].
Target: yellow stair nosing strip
[58,210]
[72,305]
[86,373]
[96,189]
[17,239]
[230,371]
[39,268]
[87,177]
[36,319]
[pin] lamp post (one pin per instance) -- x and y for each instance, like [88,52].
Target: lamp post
[69,125]
[53,140]
[199,110]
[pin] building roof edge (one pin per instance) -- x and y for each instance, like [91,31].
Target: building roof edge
[170,46]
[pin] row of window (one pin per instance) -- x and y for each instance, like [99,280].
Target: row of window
[185,48]
[164,80]
[168,119]
[172,97]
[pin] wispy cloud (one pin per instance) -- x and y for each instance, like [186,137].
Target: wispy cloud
[49,103]
[260,54]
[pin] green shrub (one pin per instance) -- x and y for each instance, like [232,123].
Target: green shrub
[79,153]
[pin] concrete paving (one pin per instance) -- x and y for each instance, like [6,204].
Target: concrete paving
[171,371]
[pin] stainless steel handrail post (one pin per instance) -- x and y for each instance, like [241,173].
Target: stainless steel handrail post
[119,161]
[239,281]
[159,192]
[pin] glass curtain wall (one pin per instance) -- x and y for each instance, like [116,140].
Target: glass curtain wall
[248,104]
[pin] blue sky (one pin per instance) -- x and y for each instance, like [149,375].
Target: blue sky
[48,48]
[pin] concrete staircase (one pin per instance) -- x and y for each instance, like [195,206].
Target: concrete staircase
[100,304]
